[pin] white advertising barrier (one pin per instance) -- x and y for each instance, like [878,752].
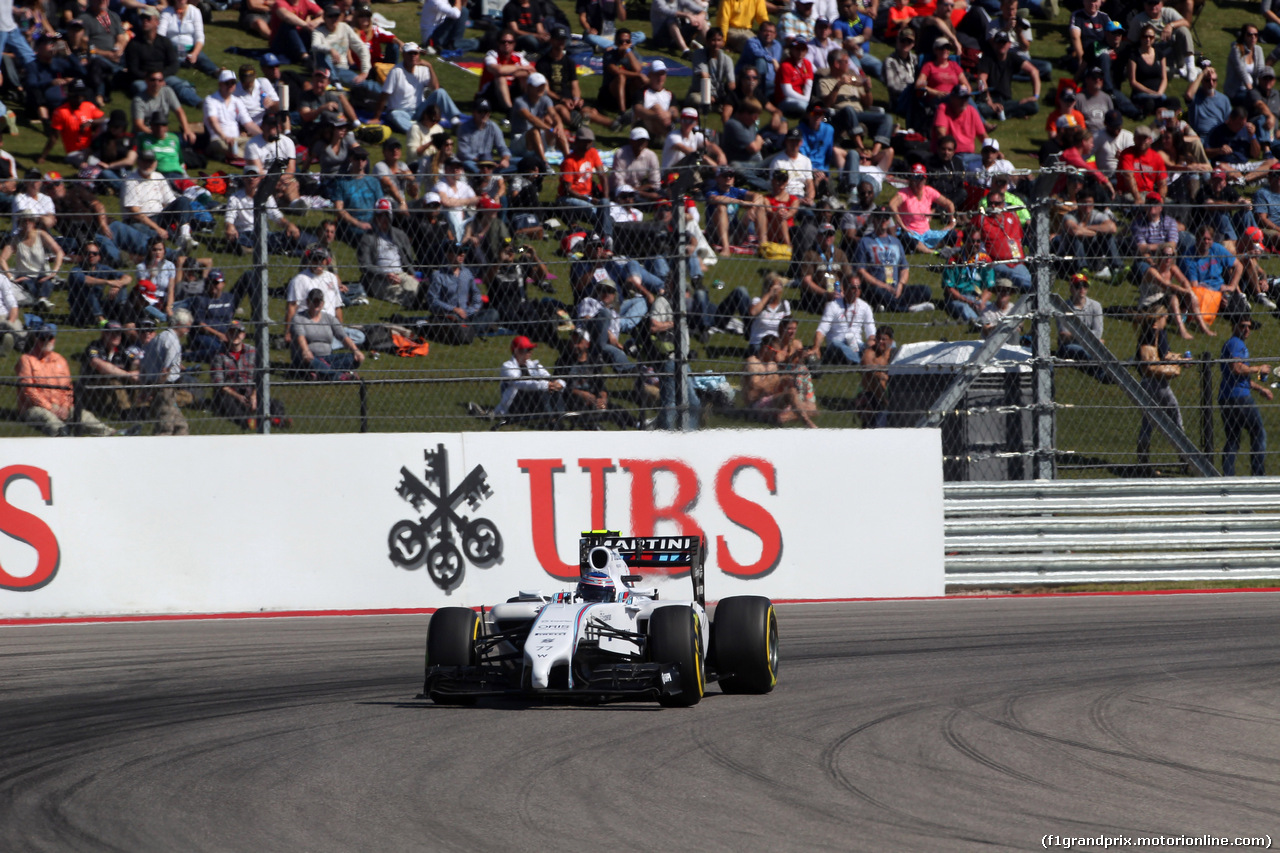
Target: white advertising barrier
[343,523]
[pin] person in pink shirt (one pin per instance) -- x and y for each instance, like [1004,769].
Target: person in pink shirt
[292,22]
[961,119]
[912,207]
[940,75]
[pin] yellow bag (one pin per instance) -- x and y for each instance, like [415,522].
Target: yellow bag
[381,70]
[775,251]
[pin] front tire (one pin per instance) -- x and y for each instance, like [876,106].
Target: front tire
[675,636]
[451,641]
[744,640]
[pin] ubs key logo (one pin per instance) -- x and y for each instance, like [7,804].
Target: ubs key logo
[409,541]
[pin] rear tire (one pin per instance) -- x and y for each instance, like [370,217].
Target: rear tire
[451,641]
[744,640]
[675,636]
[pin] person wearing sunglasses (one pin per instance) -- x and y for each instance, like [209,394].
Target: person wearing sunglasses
[504,68]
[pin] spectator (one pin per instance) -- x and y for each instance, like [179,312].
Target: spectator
[386,257]
[456,197]
[769,389]
[292,23]
[226,121]
[1089,314]
[687,142]
[1263,103]
[653,107]
[535,124]
[444,25]
[320,108]
[183,25]
[712,64]
[562,82]
[726,212]
[315,336]
[872,404]
[157,97]
[32,200]
[1163,283]
[397,179]
[333,43]
[1212,271]
[1002,235]
[846,326]
[1266,207]
[479,138]
[1141,171]
[11,322]
[961,120]
[637,167]
[1109,143]
[255,18]
[148,52]
[738,19]
[624,77]
[148,200]
[998,310]
[776,217]
[1219,204]
[235,392]
[1148,75]
[503,69]
[458,313]
[1244,63]
[94,288]
[316,272]
[1173,36]
[847,92]
[995,74]
[1235,399]
[674,20]
[1206,106]
[900,73]
[256,94]
[1087,35]
[409,89]
[166,147]
[882,268]
[1088,238]
[597,19]
[213,313]
[527,388]
[76,120]
[1254,282]
[743,143]
[108,370]
[1157,367]
[797,23]
[162,372]
[156,268]
[798,167]
[598,316]
[967,281]
[764,54]
[272,151]
[31,259]
[768,310]
[820,46]
[825,266]
[794,84]
[521,19]
[912,208]
[583,171]
[584,387]
[947,174]
[748,88]
[46,78]
[939,76]
[46,399]
[355,197]
[1234,143]
[107,41]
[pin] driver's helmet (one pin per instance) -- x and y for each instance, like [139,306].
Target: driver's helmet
[596,586]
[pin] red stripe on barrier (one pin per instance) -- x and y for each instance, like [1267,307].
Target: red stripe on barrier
[418,611]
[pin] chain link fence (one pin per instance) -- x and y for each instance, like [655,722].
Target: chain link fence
[793,314]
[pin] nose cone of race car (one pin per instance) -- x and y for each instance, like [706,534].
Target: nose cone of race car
[551,641]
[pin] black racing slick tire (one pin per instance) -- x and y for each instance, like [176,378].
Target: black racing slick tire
[675,637]
[451,641]
[744,640]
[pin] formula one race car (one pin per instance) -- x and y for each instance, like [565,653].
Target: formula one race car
[606,640]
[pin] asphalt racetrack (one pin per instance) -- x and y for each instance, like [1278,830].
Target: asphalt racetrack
[931,725]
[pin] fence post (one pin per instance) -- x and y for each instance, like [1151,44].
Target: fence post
[681,365]
[262,361]
[1041,354]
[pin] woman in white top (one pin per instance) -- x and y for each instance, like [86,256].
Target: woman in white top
[767,311]
[161,272]
[183,25]
[1243,64]
[456,197]
[32,259]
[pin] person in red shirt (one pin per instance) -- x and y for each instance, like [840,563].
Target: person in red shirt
[77,120]
[794,83]
[940,76]
[1002,235]
[383,46]
[292,22]
[1141,169]
[577,181]
[961,119]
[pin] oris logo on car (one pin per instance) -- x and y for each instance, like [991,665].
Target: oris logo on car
[25,527]
[646,513]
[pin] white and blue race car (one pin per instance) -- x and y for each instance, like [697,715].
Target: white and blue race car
[605,639]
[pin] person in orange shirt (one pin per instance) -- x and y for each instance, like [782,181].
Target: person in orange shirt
[1066,107]
[577,182]
[77,120]
[46,400]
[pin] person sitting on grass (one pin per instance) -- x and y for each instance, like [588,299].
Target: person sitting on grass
[46,399]
[314,335]
[769,390]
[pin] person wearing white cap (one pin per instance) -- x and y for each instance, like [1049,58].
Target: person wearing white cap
[654,109]
[409,89]
[535,121]
[637,166]
[226,120]
[687,139]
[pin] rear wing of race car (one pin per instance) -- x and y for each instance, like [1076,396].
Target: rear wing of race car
[652,552]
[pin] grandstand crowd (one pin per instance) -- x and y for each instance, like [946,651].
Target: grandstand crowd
[777,147]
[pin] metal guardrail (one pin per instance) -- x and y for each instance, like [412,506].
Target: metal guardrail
[1074,531]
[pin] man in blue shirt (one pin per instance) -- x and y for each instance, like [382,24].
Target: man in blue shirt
[480,139]
[1234,142]
[1206,106]
[1211,263]
[763,53]
[355,197]
[724,201]
[818,141]
[857,25]
[1239,412]
[454,301]
[882,267]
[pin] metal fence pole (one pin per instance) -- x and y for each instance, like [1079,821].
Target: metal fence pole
[262,362]
[1042,355]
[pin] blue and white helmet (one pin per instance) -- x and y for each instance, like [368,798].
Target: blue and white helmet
[597,587]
